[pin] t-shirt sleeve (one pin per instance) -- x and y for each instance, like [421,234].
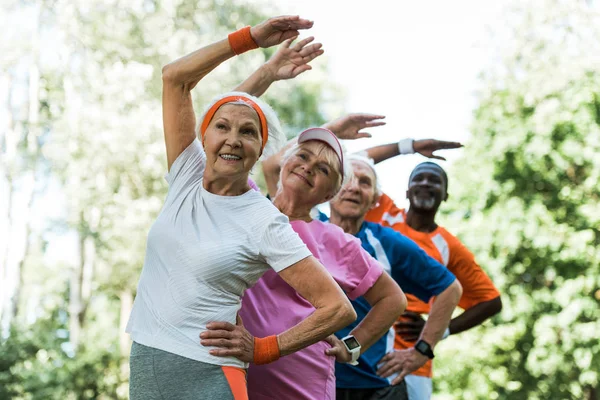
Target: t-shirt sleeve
[414,270]
[477,285]
[280,246]
[355,270]
[187,168]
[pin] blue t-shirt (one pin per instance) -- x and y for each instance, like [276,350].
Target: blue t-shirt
[414,271]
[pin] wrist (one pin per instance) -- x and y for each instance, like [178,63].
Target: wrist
[406,146]
[424,348]
[241,40]
[269,71]
[266,350]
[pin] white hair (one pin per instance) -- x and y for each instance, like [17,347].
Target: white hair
[369,162]
[277,137]
[330,156]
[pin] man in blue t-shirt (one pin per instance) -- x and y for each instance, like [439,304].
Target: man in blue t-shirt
[380,369]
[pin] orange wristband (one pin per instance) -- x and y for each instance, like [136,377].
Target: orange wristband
[241,41]
[266,350]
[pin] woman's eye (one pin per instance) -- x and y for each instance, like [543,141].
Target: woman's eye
[302,156]
[325,171]
[221,126]
[250,132]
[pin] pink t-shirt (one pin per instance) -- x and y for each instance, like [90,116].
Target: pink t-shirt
[272,306]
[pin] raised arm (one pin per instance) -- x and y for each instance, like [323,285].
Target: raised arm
[287,63]
[182,75]
[425,147]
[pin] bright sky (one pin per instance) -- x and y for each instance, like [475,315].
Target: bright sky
[416,62]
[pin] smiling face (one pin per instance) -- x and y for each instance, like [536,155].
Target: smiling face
[311,173]
[232,141]
[359,195]
[426,188]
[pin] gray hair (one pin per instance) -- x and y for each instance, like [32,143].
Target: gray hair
[277,137]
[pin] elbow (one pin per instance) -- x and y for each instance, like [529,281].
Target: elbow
[496,305]
[343,314]
[457,290]
[169,73]
[402,303]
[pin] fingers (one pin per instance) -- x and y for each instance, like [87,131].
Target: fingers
[366,116]
[238,320]
[220,325]
[216,334]
[226,352]
[300,45]
[226,343]
[371,124]
[388,369]
[290,34]
[309,50]
[331,340]
[437,157]
[399,378]
[287,22]
[287,43]
[387,357]
[361,135]
[303,68]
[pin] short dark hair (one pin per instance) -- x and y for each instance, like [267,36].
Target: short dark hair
[429,164]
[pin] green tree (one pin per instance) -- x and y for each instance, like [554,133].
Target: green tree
[526,199]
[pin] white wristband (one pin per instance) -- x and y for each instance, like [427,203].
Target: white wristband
[446,333]
[405,146]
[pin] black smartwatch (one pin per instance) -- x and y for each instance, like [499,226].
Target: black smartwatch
[424,348]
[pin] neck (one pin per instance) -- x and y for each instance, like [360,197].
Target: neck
[225,186]
[290,205]
[349,225]
[421,220]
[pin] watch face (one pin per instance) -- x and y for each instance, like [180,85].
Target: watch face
[352,343]
[422,347]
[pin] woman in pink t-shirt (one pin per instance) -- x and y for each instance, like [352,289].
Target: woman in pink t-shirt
[312,172]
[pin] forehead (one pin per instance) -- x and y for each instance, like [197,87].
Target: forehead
[237,111]
[361,170]
[427,171]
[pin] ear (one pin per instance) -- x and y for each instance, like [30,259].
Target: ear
[446,197]
[375,202]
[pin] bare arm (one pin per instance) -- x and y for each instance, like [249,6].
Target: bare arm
[311,280]
[287,63]
[179,78]
[182,75]
[425,147]
[407,361]
[441,313]
[333,309]
[388,302]
[475,315]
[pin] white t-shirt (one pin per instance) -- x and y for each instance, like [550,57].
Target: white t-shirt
[203,252]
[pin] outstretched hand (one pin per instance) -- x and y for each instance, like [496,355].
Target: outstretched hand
[426,147]
[230,340]
[350,126]
[275,30]
[290,61]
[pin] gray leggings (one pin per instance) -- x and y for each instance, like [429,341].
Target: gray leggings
[159,375]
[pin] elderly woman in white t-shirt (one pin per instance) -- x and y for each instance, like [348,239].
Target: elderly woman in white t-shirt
[215,237]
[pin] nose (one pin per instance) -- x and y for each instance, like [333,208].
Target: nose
[234,140]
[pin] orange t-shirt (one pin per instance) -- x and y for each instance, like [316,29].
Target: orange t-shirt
[446,249]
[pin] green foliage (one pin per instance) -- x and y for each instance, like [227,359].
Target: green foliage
[526,199]
[36,362]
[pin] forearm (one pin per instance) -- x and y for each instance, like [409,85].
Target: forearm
[190,69]
[316,327]
[441,312]
[475,315]
[383,152]
[378,321]
[257,83]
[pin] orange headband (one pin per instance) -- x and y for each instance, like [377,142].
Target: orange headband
[230,99]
